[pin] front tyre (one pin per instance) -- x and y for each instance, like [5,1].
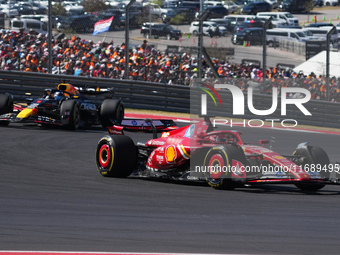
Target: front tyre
[6,106]
[4,123]
[70,114]
[224,167]
[116,156]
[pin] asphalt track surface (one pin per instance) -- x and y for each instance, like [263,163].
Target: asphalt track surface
[52,198]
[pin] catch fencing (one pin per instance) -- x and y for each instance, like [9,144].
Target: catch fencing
[164,97]
[292,46]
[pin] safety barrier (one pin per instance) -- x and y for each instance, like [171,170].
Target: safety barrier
[164,97]
[135,94]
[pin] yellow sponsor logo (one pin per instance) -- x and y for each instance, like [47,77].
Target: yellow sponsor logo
[170,154]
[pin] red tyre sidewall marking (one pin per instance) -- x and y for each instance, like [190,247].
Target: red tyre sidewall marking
[104,162]
[214,160]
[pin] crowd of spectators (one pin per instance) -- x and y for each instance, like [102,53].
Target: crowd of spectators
[28,52]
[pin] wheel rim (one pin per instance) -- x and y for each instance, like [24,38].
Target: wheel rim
[104,156]
[216,165]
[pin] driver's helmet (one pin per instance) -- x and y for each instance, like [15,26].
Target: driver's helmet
[58,95]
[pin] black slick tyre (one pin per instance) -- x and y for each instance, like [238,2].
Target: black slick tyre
[116,156]
[313,156]
[111,110]
[6,106]
[218,166]
[70,114]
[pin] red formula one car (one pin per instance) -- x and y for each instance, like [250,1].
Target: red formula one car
[198,152]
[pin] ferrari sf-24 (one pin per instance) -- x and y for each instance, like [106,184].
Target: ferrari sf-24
[198,152]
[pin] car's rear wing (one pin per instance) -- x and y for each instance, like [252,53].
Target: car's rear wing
[87,91]
[142,125]
[95,90]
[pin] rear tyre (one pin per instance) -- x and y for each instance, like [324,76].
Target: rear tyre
[313,156]
[70,114]
[219,164]
[116,156]
[111,110]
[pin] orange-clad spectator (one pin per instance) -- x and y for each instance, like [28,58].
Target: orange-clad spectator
[30,53]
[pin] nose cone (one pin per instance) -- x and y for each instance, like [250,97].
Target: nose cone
[26,113]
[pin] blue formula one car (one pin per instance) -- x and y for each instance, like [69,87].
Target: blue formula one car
[64,106]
